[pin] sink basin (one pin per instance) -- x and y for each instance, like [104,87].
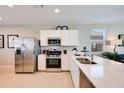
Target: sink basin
[77,54]
[85,61]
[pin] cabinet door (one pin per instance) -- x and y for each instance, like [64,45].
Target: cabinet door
[42,62]
[65,38]
[54,33]
[43,38]
[73,37]
[74,69]
[65,62]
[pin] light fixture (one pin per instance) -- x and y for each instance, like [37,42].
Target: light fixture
[0,18]
[11,5]
[56,10]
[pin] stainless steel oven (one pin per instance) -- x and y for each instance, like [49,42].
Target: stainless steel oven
[53,60]
[53,63]
[54,41]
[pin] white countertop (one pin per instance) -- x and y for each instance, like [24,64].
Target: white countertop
[105,74]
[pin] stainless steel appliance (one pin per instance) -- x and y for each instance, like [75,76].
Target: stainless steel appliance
[26,51]
[53,60]
[53,63]
[54,41]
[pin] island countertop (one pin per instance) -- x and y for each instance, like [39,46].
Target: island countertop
[105,74]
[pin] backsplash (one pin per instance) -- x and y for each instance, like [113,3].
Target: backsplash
[61,48]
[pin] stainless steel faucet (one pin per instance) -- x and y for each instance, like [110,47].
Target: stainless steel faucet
[90,55]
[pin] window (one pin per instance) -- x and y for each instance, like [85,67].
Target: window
[97,40]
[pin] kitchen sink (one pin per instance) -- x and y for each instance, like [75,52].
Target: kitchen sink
[85,61]
[77,54]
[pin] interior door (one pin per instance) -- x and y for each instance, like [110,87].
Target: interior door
[29,57]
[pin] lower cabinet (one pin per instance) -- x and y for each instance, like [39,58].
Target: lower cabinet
[42,62]
[65,62]
[78,77]
[75,73]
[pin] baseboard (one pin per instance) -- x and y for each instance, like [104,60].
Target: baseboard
[41,70]
[47,71]
[65,70]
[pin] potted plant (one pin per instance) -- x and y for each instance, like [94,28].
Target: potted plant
[111,55]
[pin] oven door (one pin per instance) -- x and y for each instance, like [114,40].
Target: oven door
[53,63]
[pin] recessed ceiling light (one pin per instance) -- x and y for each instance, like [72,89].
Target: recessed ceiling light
[0,18]
[56,10]
[11,5]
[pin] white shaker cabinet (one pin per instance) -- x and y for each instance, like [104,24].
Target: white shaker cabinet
[73,36]
[65,38]
[75,73]
[42,62]
[43,37]
[65,62]
[69,37]
[54,33]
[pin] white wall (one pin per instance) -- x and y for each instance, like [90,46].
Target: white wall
[7,54]
[112,31]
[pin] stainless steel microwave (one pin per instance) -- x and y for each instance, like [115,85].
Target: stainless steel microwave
[54,41]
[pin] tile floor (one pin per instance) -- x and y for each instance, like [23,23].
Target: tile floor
[8,79]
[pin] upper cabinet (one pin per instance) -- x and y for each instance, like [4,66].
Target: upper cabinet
[68,37]
[43,38]
[53,33]
[65,38]
[73,37]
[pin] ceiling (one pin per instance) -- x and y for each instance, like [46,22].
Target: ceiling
[69,14]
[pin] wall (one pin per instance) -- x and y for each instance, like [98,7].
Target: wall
[7,54]
[112,31]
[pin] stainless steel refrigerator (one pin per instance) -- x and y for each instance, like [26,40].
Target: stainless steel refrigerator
[26,51]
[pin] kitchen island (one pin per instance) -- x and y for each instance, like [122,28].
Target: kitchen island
[105,74]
